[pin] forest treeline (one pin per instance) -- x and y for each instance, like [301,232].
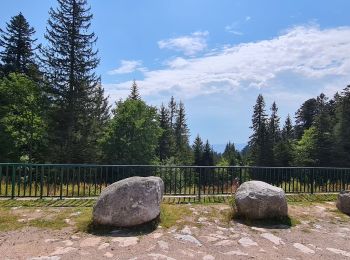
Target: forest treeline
[53,109]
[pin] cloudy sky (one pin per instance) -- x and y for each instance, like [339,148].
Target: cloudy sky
[216,56]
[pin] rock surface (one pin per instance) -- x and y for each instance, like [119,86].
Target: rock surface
[343,202]
[259,200]
[129,202]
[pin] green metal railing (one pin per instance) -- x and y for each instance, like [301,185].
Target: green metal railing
[82,180]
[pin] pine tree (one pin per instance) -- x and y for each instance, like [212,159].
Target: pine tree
[197,148]
[305,116]
[324,132]
[283,150]
[75,89]
[134,92]
[274,121]
[260,148]
[274,133]
[287,131]
[230,154]
[18,46]
[342,129]
[208,156]
[166,138]
[181,133]
[172,111]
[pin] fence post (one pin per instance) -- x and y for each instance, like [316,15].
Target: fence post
[61,183]
[199,184]
[312,180]
[41,182]
[13,182]
[342,179]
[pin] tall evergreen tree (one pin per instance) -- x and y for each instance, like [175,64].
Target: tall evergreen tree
[274,124]
[208,155]
[342,129]
[134,92]
[75,88]
[324,132]
[260,148]
[197,148]
[230,154]
[181,132]
[274,132]
[287,131]
[283,150]
[166,141]
[172,111]
[18,47]
[305,116]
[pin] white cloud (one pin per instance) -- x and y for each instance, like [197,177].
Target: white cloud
[247,18]
[127,66]
[189,45]
[300,59]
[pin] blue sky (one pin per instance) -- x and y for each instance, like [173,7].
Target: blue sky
[216,56]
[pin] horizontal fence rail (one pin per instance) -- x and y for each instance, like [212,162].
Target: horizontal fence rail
[74,180]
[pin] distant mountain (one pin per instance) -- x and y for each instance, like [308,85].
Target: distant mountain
[221,147]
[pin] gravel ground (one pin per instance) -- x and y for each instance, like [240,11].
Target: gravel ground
[321,233]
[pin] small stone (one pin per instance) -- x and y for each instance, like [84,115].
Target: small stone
[108,255]
[338,251]
[303,248]
[103,246]
[202,219]
[246,242]
[126,241]
[50,240]
[274,239]
[160,256]
[91,241]
[188,238]
[222,228]
[259,229]
[208,257]
[186,230]
[67,242]
[63,250]
[236,252]
[75,237]
[157,235]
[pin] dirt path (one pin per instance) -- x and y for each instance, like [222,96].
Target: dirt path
[321,233]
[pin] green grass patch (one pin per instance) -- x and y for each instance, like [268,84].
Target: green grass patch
[8,221]
[170,215]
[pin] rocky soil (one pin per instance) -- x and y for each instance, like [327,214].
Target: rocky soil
[321,232]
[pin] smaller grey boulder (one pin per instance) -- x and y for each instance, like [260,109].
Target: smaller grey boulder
[343,202]
[129,202]
[260,200]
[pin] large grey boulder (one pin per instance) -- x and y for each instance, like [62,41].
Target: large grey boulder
[343,202]
[129,202]
[259,200]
